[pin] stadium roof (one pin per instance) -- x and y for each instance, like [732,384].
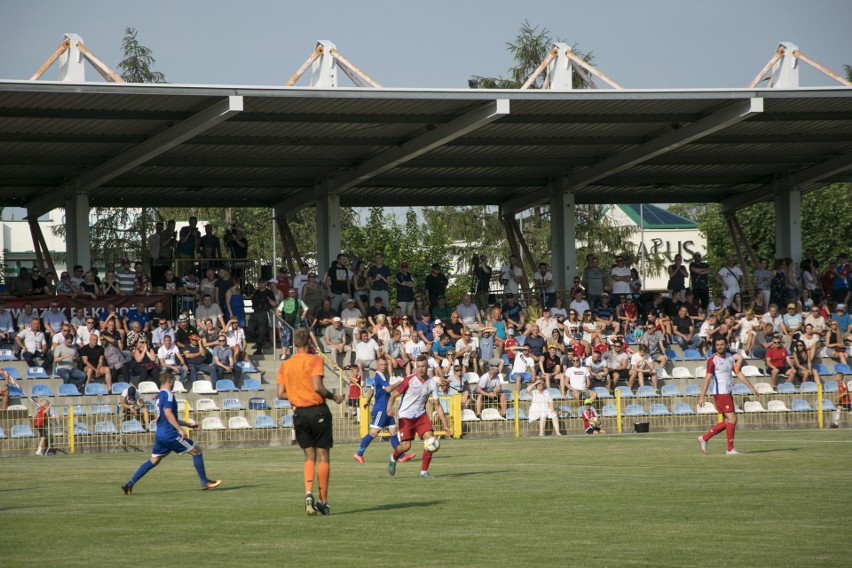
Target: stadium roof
[654,217]
[152,145]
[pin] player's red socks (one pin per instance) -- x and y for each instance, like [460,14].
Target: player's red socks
[396,454]
[425,461]
[309,476]
[323,472]
[718,427]
[729,432]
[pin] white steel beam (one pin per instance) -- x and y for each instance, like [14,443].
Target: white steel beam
[139,154]
[667,142]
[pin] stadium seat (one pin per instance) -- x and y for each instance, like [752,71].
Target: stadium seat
[602,392]
[281,404]
[2,434]
[801,405]
[118,388]
[469,415]
[491,414]
[625,392]
[681,373]
[692,355]
[151,405]
[287,421]
[764,388]
[98,409]
[663,374]
[132,427]
[247,366]
[822,369]
[148,387]
[524,395]
[682,409]
[105,427]
[634,410]
[252,385]
[555,394]
[471,378]
[179,388]
[81,429]
[670,353]
[152,426]
[257,403]
[751,371]
[828,405]
[740,389]
[22,431]
[510,414]
[68,390]
[206,405]
[753,406]
[232,404]
[700,372]
[212,423]
[510,395]
[41,390]
[692,390]
[669,390]
[808,387]
[37,373]
[565,412]
[203,387]
[15,392]
[658,409]
[184,404]
[13,372]
[263,421]
[79,410]
[238,423]
[609,411]
[829,386]
[646,392]
[777,406]
[842,368]
[708,408]
[226,385]
[95,389]
[6,355]
[786,388]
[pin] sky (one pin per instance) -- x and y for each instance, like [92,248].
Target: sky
[646,44]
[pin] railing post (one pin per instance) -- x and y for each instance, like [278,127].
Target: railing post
[820,417]
[363,422]
[71,428]
[618,410]
[456,416]
[186,416]
[517,410]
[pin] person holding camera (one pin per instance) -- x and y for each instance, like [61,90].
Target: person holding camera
[481,281]
[188,242]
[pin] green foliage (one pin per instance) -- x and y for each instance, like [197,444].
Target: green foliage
[529,49]
[138,60]
[848,69]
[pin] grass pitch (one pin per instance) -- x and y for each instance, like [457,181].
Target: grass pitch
[629,500]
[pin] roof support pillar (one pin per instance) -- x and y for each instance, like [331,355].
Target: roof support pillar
[563,238]
[785,72]
[72,64]
[788,225]
[328,230]
[77,235]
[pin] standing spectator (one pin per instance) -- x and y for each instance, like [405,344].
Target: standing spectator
[360,286]
[810,270]
[379,279]
[594,280]
[778,284]
[541,407]
[300,279]
[154,249]
[126,277]
[677,275]
[482,282]
[211,247]
[94,362]
[841,273]
[405,284]
[436,284]
[337,283]
[236,303]
[515,276]
[763,279]
[66,358]
[22,285]
[33,345]
[699,277]
[142,283]
[222,284]
[262,302]
[621,277]
[543,283]
[793,286]
[729,277]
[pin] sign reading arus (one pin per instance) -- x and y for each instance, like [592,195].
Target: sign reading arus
[91,307]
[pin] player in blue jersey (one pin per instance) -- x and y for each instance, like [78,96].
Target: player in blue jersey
[171,437]
[379,418]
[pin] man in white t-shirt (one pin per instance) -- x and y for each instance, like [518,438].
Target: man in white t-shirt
[620,276]
[465,351]
[577,379]
[170,358]
[300,279]
[366,353]
[515,274]
[489,387]
[729,277]
[543,282]
[642,366]
[469,313]
[579,305]
[524,368]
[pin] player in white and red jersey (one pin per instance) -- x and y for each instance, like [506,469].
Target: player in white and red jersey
[721,368]
[416,390]
[591,422]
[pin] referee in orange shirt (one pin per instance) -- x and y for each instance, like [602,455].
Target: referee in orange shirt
[300,382]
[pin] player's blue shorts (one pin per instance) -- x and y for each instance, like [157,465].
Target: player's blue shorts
[379,419]
[176,445]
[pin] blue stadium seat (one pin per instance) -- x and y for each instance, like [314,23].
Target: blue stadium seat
[740,389]
[801,405]
[281,404]
[672,355]
[101,409]
[634,410]
[625,392]
[822,369]
[658,409]
[41,390]
[105,427]
[808,386]
[830,386]
[682,409]
[692,355]
[15,392]
[232,404]
[646,392]
[841,368]
[565,412]
[13,372]
[6,355]
[118,388]
[152,426]
[693,390]
[828,405]
[257,403]
[37,373]
[79,410]
[602,392]
[264,421]
[2,434]
[226,385]
[68,390]
[252,385]
[287,421]
[510,414]
[669,390]
[555,394]
[81,429]
[609,411]
[22,431]
[151,405]
[370,382]
[95,389]
[786,388]
[132,427]
[510,395]
[247,367]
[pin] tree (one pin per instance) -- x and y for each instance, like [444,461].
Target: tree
[137,62]
[848,69]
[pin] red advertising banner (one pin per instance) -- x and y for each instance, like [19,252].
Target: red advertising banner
[91,307]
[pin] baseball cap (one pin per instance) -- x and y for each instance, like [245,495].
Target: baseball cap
[510,331]
[510,295]
[350,301]
[600,348]
[436,265]
[578,336]
[403,265]
[604,294]
[791,305]
[841,306]
[378,299]
[551,346]
[336,319]
[437,321]
[545,309]
[441,296]
[272,281]
[183,317]
[587,401]
[194,336]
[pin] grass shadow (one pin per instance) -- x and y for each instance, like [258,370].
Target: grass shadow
[773,451]
[469,473]
[393,506]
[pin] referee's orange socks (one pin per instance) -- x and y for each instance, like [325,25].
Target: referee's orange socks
[323,473]
[310,469]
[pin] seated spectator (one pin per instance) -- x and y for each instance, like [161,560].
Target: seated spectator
[558,310]
[334,341]
[366,353]
[395,352]
[550,366]
[88,287]
[195,357]
[597,367]
[834,343]
[442,356]
[536,342]
[349,316]
[604,315]
[112,335]
[533,310]
[53,319]
[772,316]
[513,315]
[803,363]
[170,359]
[33,345]
[510,348]
[791,322]
[762,341]
[39,282]
[65,288]
[209,309]
[183,331]
[110,286]
[94,362]
[577,380]
[454,326]
[66,358]
[159,334]
[495,320]
[617,363]
[224,361]
[653,340]
[209,334]
[524,369]
[236,340]
[489,387]
[469,313]
[816,320]
[626,313]
[466,352]
[591,422]
[114,359]
[424,330]
[579,304]
[844,321]
[811,341]
[413,348]
[7,325]
[641,366]
[144,362]
[717,307]
[441,310]
[683,331]
[778,362]
[22,285]
[137,313]
[547,323]
[378,308]
[132,405]
[489,349]
[591,330]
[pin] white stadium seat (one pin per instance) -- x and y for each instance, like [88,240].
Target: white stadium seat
[469,416]
[205,405]
[491,414]
[754,406]
[764,388]
[148,387]
[777,406]
[708,408]
[203,387]
[239,423]
[212,423]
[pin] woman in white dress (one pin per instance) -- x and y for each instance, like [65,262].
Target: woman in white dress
[748,326]
[541,407]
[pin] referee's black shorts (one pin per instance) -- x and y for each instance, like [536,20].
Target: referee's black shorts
[313,427]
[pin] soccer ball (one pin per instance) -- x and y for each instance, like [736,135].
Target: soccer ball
[431,445]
